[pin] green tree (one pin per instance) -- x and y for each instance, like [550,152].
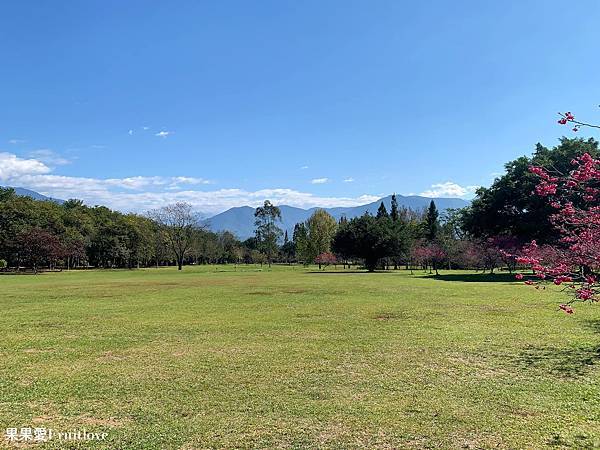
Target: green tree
[321,228]
[431,223]
[267,232]
[300,239]
[508,207]
[366,238]
[394,211]
[382,211]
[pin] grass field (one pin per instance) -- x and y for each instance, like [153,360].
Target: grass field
[219,357]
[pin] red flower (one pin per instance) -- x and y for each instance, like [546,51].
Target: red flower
[519,276]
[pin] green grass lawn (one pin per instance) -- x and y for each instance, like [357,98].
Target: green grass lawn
[219,357]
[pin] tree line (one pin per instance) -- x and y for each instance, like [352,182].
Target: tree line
[483,236]
[38,234]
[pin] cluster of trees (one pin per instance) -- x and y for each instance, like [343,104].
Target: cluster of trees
[486,235]
[36,234]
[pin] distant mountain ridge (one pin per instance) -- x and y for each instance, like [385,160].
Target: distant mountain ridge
[240,220]
[34,195]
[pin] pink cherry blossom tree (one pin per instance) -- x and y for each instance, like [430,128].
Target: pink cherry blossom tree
[573,262]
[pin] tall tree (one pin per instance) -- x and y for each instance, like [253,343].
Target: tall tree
[178,223]
[394,212]
[267,232]
[300,239]
[431,223]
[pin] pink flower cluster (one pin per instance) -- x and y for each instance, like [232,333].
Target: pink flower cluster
[568,117]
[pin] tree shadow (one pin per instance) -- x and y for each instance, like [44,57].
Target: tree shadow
[347,272]
[563,362]
[593,325]
[474,277]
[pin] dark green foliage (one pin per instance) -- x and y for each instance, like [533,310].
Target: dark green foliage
[365,237]
[431,224]
[509,206]
[382,211]
[394,212]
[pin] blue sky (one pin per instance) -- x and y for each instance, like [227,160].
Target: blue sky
[137,104]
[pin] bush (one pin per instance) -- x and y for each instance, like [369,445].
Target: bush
[3,264]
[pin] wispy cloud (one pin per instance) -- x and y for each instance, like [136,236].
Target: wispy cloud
[319,180]
[348,180]
[140,193]
[130,132]
[17,141]
[163,134]
[49,156]
[449,189]
[303,167]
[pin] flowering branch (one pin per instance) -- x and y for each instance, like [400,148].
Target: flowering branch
[569,118]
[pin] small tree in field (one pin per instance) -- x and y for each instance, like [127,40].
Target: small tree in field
[178,223]
[574,262]
[325,259]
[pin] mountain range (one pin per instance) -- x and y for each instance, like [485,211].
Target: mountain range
[240,220]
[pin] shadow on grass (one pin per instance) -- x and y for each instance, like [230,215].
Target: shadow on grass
[564,362]
[348,272]
[474,277]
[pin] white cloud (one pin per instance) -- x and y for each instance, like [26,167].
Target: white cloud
[16,141]
[303,167]
[163,134]
[319,180]
[189,180]
[145,128]
[11,166]
[349,180]
[141,193]
[49,156]
[449,189]
[130,132]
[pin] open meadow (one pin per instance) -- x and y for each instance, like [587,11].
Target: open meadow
[218,356]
